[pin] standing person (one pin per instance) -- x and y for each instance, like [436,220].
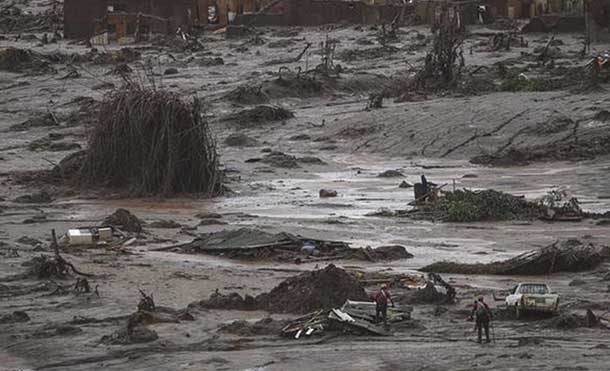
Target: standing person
[481,10]
[482,312]
[381,303]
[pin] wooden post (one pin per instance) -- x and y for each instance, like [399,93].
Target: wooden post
[608,15]
[203,6]
[54,244]
[587,14]
[223,12]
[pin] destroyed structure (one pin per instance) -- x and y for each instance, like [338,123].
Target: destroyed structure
[127,20]
[288,262]
[134,20]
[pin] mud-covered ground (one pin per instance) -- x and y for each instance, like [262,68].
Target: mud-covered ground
[45,114]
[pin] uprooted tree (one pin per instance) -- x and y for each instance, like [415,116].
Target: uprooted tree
[151,142]
[442,69]
[444,63]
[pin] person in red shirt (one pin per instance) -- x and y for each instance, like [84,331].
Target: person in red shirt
[481,310]
[381,303]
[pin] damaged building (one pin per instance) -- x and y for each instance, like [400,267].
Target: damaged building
[318,12]
[125,19]
[130,20]
[554,15]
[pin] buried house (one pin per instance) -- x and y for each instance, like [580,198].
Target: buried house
[305,12]
[125,20]
[134,19]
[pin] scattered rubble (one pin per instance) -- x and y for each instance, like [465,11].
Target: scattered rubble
[253,244]
[353,317]
[561,256]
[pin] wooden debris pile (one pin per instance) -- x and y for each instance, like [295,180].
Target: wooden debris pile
[354,317]
[561,256]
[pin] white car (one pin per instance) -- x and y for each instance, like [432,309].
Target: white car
[532,297]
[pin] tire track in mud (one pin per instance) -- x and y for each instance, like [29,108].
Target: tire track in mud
[431,143]
[572,136]
[510,140]
[487,134]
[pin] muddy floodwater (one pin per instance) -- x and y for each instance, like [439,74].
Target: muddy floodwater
[525,143]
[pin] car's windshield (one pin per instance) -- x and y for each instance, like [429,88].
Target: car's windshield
[533,289]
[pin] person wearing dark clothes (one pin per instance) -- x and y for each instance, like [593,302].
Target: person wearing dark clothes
[482,313]
[381,303]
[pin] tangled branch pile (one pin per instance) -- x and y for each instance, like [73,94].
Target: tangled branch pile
[14,20]
[48,267]
[464,205]
[561,256]
[151,142]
